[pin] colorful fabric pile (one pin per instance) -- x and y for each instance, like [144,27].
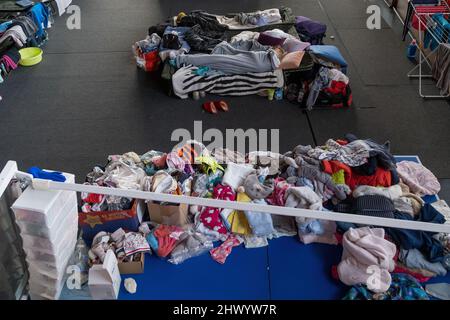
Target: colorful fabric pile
[268,52]
[351,175]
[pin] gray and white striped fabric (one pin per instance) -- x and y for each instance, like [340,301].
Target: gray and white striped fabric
[185,81]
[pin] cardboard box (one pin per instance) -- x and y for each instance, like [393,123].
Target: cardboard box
[104,279]
[169,214]
[109,221]
[132,267]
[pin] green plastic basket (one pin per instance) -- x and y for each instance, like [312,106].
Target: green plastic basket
[30,56]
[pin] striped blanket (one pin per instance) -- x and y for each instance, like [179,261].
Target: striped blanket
[185,81]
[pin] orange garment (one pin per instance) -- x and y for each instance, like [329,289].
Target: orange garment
[381,177]
[188,153]
[342,142]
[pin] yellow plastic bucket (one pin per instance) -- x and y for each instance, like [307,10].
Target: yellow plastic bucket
[30,56]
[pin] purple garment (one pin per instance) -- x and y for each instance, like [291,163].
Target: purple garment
[268,40]
[309,26]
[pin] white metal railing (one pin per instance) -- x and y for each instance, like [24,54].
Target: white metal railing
[293,212]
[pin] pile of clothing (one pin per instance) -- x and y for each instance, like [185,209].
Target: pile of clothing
[127,246]
[166,241]
[146,53]
[351,175]
[23,31]
[27,29]
[245,54]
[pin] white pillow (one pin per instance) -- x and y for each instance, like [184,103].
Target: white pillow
[235,174]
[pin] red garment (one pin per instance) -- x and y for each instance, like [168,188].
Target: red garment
[350,100]
[152,61]
[332,166]
[416,275]
[397,253]
[276,198]
[167,237]
[339,237]
[334,273]
[423,18]
[342,142]
[381,177]
[92,197]
[210,216]
[336,87]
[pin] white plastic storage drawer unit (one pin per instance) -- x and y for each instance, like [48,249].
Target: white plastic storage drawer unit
[42,206]
[45,244]
[67,220]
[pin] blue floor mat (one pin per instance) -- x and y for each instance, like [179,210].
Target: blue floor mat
[243,276]
[299,271]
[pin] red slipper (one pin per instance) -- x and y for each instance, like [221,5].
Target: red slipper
[221,105]
[210,107]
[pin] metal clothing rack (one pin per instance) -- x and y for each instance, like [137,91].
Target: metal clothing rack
[433,32]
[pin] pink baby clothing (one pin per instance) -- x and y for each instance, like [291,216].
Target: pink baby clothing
[221,253]
[9,63]
[366,251]
[419,179]
[210,216]
[174,161]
